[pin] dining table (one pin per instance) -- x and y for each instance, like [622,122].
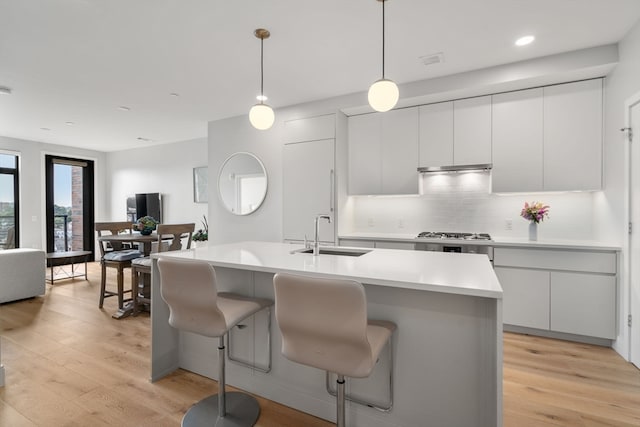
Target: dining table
[144,240]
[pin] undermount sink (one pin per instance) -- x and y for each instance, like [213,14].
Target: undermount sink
[333,251]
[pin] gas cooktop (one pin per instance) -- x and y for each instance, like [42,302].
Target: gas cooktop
[453,236]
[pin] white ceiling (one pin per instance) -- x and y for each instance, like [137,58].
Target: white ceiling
[79,60]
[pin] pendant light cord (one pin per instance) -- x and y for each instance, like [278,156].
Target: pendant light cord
[261,70]
[383,1]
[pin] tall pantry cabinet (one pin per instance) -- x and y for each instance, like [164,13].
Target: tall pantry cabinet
[309,178]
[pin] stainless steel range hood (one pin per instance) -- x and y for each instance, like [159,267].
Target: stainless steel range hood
[456,168]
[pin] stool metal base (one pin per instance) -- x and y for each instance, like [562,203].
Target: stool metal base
[242,411]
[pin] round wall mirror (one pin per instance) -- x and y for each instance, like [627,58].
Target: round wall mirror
[242,183]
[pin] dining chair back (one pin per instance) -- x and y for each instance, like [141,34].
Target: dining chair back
[171,237]
[114,254]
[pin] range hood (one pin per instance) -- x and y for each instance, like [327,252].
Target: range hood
[456,168]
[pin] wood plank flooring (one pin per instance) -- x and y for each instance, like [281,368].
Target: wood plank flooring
[69,363]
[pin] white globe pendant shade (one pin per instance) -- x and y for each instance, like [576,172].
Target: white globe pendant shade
[383,95]
[261,116]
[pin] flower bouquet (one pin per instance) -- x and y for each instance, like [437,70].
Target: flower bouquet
[535,212]
[145,225]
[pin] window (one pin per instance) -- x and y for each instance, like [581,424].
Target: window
[9,203]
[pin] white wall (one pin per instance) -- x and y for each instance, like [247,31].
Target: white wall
[611,205]
[32,184]
[463,203]
[165,169]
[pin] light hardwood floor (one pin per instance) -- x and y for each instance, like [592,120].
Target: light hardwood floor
[69,363]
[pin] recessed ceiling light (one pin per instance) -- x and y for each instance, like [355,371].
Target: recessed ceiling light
[69,123]
[261,97]
[124,108]
[525,40]
[47,129]
[5,90]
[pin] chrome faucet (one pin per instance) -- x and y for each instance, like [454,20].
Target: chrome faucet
[316,242]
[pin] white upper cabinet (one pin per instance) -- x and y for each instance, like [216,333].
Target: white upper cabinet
[517,141]
[310,129]
[548,139]
[436,134]
[383,153]
[400,151]
[472,131]
[573,136]
[365,156]
[456,132]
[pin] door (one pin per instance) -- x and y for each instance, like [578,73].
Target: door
[9,202]
[308,189]
[69,204]
[634,238]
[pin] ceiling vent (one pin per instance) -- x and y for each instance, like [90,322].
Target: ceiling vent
[435,58]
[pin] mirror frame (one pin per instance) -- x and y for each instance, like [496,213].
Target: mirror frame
[266,182]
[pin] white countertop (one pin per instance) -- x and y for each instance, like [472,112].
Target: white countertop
[496,242]
[462,274]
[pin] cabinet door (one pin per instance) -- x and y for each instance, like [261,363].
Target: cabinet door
[307,189]
[436,134]
[583,304]
[525,298]
[472,131]
[573,136]
[310,128]
[365,155]
[400,151]
[517,141]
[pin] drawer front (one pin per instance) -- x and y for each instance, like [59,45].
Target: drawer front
[551,259]
[357,243]
[395,245]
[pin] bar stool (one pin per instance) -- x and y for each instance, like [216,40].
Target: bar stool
[324,325]
[141,267]
[190,290]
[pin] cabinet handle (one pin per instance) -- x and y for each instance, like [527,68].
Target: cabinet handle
[331,180]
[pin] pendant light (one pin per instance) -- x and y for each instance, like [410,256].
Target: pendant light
[383,94]
[261,115]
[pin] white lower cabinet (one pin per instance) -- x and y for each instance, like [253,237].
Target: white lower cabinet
[583,304]
[581,300]
[525,298]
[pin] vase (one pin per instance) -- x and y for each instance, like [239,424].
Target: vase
[200,243]
[146,231]
[533,231]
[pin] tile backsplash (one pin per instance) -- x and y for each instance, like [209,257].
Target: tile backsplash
[463,202]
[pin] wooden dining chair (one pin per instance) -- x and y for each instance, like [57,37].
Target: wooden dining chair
[170,238]
[115,255]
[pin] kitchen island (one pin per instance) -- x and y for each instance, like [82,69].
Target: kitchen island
[447,351]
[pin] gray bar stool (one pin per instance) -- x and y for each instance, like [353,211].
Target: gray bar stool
[324,324]
[190,290]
